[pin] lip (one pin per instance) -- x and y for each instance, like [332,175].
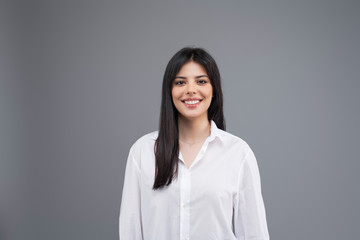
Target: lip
[191,99]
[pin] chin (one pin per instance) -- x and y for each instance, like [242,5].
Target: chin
[191,116]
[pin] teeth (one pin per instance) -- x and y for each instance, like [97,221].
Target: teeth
[192,102]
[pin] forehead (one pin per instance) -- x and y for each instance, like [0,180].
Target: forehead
[191,69]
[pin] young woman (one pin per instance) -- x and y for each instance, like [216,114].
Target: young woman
[191,180]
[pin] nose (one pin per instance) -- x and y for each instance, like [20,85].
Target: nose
[191,88]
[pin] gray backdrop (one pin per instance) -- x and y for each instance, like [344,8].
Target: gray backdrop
[81,80]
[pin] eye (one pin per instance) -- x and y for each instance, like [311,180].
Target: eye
[179,82]
[202,81]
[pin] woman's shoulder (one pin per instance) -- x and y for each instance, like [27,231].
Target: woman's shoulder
[235,145]
[145,140]
[230,139]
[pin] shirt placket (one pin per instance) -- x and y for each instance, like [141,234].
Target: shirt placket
[184,204]
[185,188]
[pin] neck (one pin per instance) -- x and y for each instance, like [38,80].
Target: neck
[193,130]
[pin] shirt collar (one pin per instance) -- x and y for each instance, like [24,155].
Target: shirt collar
[215,132]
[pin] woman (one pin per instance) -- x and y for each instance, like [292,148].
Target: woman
[191,180]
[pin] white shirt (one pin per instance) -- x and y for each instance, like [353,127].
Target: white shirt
[217,198]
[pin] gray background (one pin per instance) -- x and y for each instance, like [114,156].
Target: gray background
[80,82]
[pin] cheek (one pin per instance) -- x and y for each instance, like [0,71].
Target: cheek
[210,92]
[175,93]
[174,98]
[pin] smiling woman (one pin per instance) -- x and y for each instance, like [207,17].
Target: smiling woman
[191,179]
[191,95]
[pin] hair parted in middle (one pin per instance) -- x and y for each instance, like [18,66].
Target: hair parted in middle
[167,143]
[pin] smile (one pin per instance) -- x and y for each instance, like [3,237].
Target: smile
[191,102]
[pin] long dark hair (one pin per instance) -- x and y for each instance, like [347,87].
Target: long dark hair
[167,143]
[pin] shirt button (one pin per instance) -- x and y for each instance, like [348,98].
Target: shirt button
[183,205]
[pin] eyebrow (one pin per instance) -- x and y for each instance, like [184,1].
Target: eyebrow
[201,76]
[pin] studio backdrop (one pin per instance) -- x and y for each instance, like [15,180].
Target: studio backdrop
[80,81]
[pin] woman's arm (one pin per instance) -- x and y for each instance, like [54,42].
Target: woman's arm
[130,226]
[249,211]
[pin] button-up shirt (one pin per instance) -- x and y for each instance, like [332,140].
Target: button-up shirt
[217,198]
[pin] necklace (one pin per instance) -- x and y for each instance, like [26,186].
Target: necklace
[191,143]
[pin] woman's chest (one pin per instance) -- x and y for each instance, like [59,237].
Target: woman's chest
[212,178]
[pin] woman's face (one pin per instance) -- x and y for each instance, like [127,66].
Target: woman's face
[192,91]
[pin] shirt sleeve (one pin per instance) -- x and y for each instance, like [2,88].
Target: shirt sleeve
[130,226]
[249,217]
